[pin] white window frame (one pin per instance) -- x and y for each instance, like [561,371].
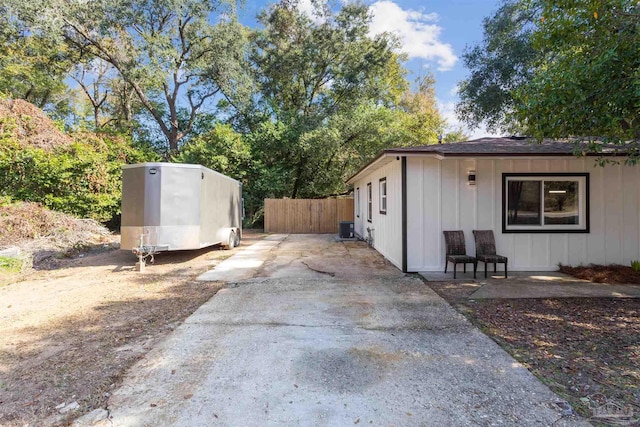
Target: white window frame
[382,195]
[369,202]
[358,202]
[583,203]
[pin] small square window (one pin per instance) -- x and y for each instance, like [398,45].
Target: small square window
[383,196]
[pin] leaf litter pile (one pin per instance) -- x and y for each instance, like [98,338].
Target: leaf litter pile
[45,236]
[30,125]
[604,273]
[587,350]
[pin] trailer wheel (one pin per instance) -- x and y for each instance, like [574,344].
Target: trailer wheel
[231,243]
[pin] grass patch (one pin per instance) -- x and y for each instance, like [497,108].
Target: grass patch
[10,264]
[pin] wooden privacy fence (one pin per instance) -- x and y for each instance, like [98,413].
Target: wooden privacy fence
[312,216]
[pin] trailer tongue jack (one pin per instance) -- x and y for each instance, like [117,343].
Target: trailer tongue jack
[143,252]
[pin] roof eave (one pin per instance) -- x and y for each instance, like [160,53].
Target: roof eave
[440,155]
[352,178]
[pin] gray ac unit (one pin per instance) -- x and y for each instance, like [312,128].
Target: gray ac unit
[346,229]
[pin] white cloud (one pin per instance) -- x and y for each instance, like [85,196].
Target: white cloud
[417,31]
[306,7]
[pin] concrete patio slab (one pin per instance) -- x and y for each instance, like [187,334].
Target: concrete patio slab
[439,276]
[541,289]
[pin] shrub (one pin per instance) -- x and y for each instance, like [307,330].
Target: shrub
[83,178]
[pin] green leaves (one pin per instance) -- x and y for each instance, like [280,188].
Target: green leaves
[558,69]
[291,109]
[32,65]
[586,84]
[318,84]
[502,62]
[83,179]
[168,53]
[221,149]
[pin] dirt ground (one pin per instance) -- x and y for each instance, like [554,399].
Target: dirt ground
[585,349]
[68,334]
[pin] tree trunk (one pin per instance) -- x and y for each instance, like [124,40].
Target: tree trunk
[298,181]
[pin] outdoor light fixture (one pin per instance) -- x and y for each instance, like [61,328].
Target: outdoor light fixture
[557,191]
[471,177]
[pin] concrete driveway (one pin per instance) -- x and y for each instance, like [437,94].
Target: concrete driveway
[326,333]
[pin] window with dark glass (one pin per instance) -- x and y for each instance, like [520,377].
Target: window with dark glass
[545,202]
[383,196]
[524,203]
[369,202]
[358,202]
[561,202]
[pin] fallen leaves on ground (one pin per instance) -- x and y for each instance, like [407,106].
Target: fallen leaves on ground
[580,347]
[614,273]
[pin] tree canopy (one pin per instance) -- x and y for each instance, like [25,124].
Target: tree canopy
[558,69]
[498,65]
[309,74]
[586,80]
[291,108]
[168,53]
[32,65]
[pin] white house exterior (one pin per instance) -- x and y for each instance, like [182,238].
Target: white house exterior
[544,205]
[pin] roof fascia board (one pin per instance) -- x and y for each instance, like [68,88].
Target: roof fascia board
[552,156]
[370,167]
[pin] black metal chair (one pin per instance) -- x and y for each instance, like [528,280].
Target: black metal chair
[486,250]
[456,252]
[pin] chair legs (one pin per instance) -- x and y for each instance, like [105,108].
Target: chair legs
[495,270]
[475,268]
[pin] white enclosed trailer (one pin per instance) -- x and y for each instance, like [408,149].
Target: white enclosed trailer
[172,206]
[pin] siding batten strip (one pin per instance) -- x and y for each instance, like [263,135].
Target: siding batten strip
[457,182]
[403,184]
[475,197]
[439,190]
[621,208]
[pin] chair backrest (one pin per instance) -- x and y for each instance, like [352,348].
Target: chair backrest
[485,242]
[454,241]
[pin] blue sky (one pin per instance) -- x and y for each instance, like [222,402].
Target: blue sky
[434,34]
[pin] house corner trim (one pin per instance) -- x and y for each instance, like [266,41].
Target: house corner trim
[404,213]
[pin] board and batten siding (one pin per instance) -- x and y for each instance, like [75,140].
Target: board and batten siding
[439,198]
[387,228]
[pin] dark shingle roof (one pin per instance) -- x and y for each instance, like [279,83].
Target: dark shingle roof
[511,146]
[504,146]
